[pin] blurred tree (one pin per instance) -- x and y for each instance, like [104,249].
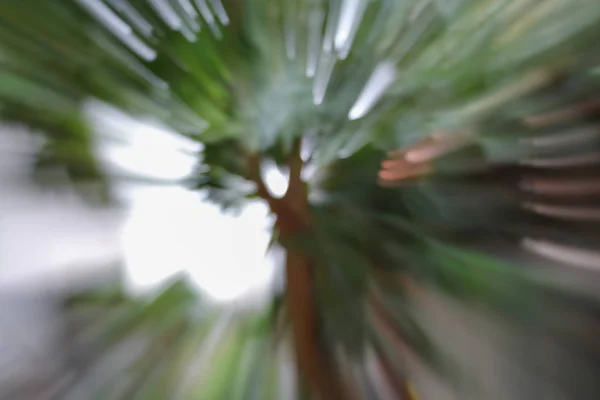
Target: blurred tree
[493,105]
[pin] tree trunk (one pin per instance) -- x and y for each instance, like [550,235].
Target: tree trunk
[314,363]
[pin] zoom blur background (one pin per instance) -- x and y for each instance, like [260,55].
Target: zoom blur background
[445,153]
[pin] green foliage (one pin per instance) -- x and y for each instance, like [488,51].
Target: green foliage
[506,78]
[180,337]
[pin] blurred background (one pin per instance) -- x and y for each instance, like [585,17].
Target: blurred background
[299,199]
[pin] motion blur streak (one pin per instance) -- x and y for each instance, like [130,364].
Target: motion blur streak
[299,199]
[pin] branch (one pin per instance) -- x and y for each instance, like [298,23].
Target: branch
[255,175]
[295,185]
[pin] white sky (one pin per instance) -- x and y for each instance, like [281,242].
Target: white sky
[164,230]
[170,229]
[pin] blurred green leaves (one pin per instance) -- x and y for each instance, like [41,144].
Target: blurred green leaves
[250,79]
[191,349]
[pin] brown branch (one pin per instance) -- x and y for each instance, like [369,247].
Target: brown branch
[255,175]
[296,185]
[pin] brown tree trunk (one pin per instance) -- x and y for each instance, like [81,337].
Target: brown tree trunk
[314,364]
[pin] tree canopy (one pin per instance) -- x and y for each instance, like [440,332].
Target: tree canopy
[446,136]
